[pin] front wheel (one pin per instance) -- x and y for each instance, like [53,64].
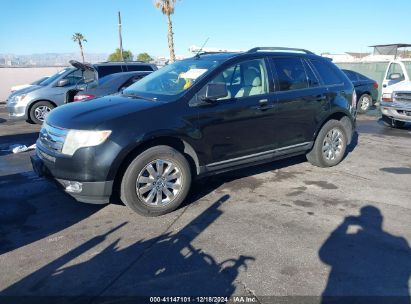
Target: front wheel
[39,111]
[156,182]
[364,103]
[329,146]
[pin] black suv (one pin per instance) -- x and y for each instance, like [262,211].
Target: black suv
[200,116]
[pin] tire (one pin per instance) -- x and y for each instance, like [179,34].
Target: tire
[323,159]
[392,122]
[140,188]
[39,111]
[364,103]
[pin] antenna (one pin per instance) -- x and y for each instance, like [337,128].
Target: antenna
[199,51]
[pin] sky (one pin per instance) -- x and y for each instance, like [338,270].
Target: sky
[335,26]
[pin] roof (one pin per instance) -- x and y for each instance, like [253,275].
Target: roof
[398,45]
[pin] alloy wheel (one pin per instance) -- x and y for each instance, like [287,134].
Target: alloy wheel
[333,144]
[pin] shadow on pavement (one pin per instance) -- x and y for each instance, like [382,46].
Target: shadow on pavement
[32,208]
[167,265]
[368,265]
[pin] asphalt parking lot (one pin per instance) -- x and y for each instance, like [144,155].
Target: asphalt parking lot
[282,229]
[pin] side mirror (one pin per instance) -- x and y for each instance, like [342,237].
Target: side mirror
[62,82]
[395,76]
[215,91]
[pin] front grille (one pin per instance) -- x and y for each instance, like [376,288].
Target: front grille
[402,97]
[52,138]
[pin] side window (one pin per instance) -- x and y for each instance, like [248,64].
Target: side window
[311,77]
[248,78]
[328,74]
[137,67]
[130,82]
[394,69]
[104,70]
[291,73]
[75,77]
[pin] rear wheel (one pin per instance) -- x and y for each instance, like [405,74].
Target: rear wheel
[364,103]
[156,182]
[39,111]
[329,146]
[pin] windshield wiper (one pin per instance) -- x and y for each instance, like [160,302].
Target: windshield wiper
[138,97]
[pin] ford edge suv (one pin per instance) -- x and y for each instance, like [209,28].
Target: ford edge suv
[197,117]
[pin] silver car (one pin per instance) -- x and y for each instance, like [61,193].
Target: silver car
[34,103]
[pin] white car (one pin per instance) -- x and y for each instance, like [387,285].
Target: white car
[23,86]
[396,93]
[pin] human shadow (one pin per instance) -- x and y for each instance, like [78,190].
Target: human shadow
[368,265]
[166,265]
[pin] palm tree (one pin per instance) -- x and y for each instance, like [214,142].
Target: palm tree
[78,37]
[167,8]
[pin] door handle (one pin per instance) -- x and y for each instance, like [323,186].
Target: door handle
[321,97]
[263,105]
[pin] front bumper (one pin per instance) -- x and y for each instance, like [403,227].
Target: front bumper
[396,112]
[90,192]
[16,112]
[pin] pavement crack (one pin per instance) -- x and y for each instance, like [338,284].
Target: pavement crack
[249,291]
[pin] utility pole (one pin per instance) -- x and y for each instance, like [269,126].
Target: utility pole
[120,37]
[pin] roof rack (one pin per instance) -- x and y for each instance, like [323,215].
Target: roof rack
[256,49]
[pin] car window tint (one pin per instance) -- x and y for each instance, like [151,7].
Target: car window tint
[137,67]
[327,73]
[131,81]
[248,78]
[395,68]
[362,77]
[291,73]
[104,70]
[311,77]
[352,76]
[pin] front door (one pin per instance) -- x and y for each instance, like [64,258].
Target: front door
[396,74]
[240,124]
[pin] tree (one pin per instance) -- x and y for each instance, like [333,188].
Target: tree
[167,8]
[79,38]
[116,56]
[144,57]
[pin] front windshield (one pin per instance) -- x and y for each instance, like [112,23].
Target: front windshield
[53,77]
[172,79]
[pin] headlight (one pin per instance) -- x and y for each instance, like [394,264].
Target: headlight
[77,139]
[18,98]
[387,97]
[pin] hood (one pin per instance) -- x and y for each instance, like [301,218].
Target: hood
[26,90]
[89,115]
[403,86]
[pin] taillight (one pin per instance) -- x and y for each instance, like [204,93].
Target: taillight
[387,97]
[375,85]
[83,97]
[354,99]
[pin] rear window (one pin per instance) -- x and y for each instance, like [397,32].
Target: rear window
[328,73]
[352,76]
[137,67]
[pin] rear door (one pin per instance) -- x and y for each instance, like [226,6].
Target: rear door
[299,99]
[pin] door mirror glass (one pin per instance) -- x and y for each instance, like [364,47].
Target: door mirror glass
[215,91]
[395,76]
[63,82]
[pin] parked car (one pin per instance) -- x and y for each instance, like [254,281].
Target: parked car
[107,85]
[197,117]
[35,102]
[23,86]
[366,89]
[397,111]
